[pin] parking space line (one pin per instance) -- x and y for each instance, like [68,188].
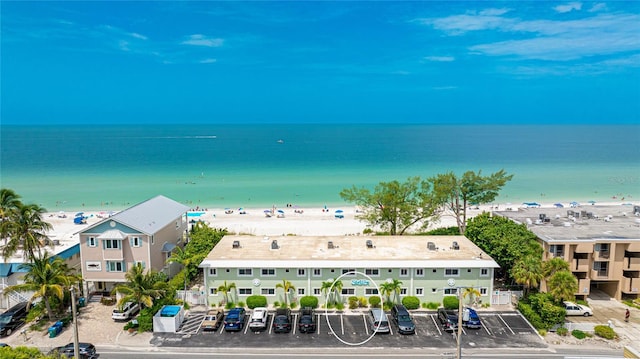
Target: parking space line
[318,323]
[436,324]
[506,325]
[294,323]
[366,325]
[246,324]
[342,324]
[273,317]
[486,329]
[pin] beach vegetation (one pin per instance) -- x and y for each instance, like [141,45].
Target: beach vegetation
[450,302]
[9,204]
[471,293]
[562,331]
[395,207]
[362,302]
[353,302]
[562,285]
[541,310]
[25,228]
[142,286]
[446,231]
[455,194]
[391,286]
[528,272]
[431,305]
[287,289]
[411,302]
[579,334]
[374,301]
[255,301]
[225,288]
[48,278]
[309,301]
[605,331]
[23,352]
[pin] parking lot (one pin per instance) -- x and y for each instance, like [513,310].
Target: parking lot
[499,330]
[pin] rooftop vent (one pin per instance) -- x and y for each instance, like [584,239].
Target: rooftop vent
[455,245]
[330,245]
[274,244]
[369,243]
[431,246]
[236,244]
[542,216]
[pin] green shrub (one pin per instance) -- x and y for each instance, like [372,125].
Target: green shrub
[374,302]
[542,332]
[367,231]
[339,306]
[229,305]
[562,331]
[353,302]
[450,302]
[293,305]
[241,304]
[387,305]
[362,302]
[604,331]
[411,302]
[276,304]
[309,301]
[432,305]
[255,301]
[532,316]
[578,334]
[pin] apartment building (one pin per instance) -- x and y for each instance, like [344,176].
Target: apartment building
[429,267]
[601,244]
[146,233]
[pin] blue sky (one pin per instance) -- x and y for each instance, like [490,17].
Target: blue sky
[320,62]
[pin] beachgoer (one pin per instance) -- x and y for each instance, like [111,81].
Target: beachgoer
[627,314]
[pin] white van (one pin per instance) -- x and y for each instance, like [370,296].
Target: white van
[129,309]
[379,321]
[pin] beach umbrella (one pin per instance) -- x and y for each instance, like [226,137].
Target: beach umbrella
[79,214]
[574,204]
[280,211]
[592,202]
[558,205]
[267,211]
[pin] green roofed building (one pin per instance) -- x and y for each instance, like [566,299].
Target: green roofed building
[429,267]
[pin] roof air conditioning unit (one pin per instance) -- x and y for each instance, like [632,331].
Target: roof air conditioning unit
[431,246]
[369,243]
[236,244]
[455,245]
[330,245]
[274,244]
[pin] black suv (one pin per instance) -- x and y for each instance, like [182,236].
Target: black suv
[282,321]
[13,318]
[307,322]
[448,318]
[402,318]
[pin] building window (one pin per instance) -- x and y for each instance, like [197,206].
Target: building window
[419,291]
[404,272]
[268,291]
[302,272]
[348,291]
[451,272]
[435,270]
[350,271]
[135,242]
[91,242]
[317,291]
[602,249]
[601,268]
[111,244]
[557,250]
[245,272]
[317,272]
[404,291]
[372,272]
[268,272]
[419,272]
[141,263]
[113,266]
[450,291]
[213,271]
[244,291]
[213,291]
[484,291]
[370,291]
[484,272]
[300,291]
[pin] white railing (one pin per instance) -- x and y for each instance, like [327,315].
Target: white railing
[193,297]
[13,297]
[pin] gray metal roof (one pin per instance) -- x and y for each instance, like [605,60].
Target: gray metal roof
[150,216]
[587,223]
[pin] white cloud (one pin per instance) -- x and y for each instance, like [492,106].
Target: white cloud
[201,40]
[444,88]
[494,12]
[123,45]
[138,36]
[598,7]
[401,72]
[208,61]
[439,58]
[568,7]
[460,24]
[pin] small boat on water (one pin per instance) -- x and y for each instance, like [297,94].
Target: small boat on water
[280,141]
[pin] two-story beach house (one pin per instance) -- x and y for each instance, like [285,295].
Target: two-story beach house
[428,267]
[146,233]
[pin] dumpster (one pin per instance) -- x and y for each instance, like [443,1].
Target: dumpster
[55,329]
[81,302]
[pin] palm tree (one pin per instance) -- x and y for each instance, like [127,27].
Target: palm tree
[46,277]
[337,290]
[225,289]
[9,204]
[27,228]
[183,258]
[472,293]
[326,285]
[141,287]
[287,287]
[554,265]
[563,285]
[387,288]
[528,272]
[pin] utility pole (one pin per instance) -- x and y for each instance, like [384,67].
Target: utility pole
[76,345]
[458,339]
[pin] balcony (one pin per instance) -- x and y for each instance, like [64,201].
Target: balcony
[112,254]
[631,264]
[601,255]
[630,285]
[584,286]
[599,274]
[580,265]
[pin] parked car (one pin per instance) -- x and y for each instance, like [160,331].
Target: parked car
[448,318]
[307,322]
[403,320]
[13,318]
[212,320]
[282,321]
[85,351]
[470,319]
[128,311]
[378,321]
[577,309]
[259,319]
[234,320]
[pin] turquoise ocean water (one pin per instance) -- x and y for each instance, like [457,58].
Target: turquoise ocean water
[215,166]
